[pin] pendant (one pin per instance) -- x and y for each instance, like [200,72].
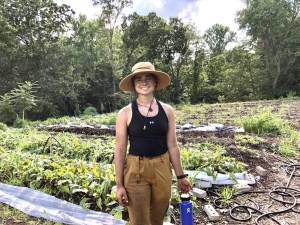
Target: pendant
[144,128]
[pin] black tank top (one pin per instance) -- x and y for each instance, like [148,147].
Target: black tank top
[151,141]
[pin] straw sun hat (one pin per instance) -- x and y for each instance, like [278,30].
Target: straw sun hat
[145,67]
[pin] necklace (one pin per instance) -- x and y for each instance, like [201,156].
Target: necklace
[149,110]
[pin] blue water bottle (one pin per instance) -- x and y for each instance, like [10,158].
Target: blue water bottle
[186,209]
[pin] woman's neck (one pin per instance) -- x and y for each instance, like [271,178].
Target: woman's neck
[145,99]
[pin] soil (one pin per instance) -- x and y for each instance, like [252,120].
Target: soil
[255,155]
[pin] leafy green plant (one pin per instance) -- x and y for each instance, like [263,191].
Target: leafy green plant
[264,123]
[288,147]
[225,196]
[267,123]
[212,161]
[245,139]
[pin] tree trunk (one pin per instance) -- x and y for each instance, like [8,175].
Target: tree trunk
[278,70]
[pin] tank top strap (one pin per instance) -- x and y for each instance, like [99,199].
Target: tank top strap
[134,108]
[161,111]
[159,105]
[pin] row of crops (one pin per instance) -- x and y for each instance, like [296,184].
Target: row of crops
[79,169]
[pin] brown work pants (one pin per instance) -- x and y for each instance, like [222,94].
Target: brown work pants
[148,184]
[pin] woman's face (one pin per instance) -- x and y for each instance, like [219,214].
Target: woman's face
[144,84]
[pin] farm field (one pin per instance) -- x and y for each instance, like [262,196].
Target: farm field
[78,167]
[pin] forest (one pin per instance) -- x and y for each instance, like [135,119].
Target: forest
[53,63]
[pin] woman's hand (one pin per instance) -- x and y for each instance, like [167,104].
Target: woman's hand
[184,185]
[122,196]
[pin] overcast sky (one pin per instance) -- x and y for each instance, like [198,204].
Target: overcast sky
[202,13]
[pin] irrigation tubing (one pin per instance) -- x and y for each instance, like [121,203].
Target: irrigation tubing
[278,194]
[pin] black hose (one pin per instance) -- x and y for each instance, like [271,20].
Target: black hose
[284,192]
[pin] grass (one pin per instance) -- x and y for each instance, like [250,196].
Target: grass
[107,119]
[246,139]
[8,213]
[226,113]
[264,123]
[268,123]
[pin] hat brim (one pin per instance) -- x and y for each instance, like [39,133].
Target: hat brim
[163,80]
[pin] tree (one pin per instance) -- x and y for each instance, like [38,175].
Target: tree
[111,10]
[176,53]
[22,98]
[217,38]
[197,69]
[275,29]
[242,77]
[143,38]
[29,29]
[36,22]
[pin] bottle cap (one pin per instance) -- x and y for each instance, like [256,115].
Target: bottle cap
[185,197]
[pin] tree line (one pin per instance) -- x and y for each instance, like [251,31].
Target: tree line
[77,62]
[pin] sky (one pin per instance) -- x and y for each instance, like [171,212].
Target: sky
[201,13]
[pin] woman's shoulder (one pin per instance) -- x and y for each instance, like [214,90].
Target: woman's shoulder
[168,108]
[125,111]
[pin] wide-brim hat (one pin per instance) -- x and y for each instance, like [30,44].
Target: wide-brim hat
[163,79]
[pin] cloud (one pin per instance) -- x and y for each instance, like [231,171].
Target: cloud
[145,6]
[81,7]
[205,13]
[201,13]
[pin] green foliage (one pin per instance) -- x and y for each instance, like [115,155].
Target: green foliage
[217,37]
[7,113]
[22,98]
[267,123]
[66,145]
[288,148]
[105,118]
[264,123]
[210,159]
[75,180]
[221,98]
[3,126]
[274,26]
[291,94]
[90,111]
[226,193]
[244,139]
[20,123]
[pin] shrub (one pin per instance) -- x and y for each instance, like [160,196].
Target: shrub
[19,123]
[3,126]
[7,114]
[264,123]
[221,98]
[90,111]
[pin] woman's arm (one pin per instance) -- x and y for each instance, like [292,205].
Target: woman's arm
[173,148]
[120,154]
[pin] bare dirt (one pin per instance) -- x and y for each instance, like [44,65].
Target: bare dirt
[255,155]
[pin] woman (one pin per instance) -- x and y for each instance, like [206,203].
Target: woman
[144,176]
